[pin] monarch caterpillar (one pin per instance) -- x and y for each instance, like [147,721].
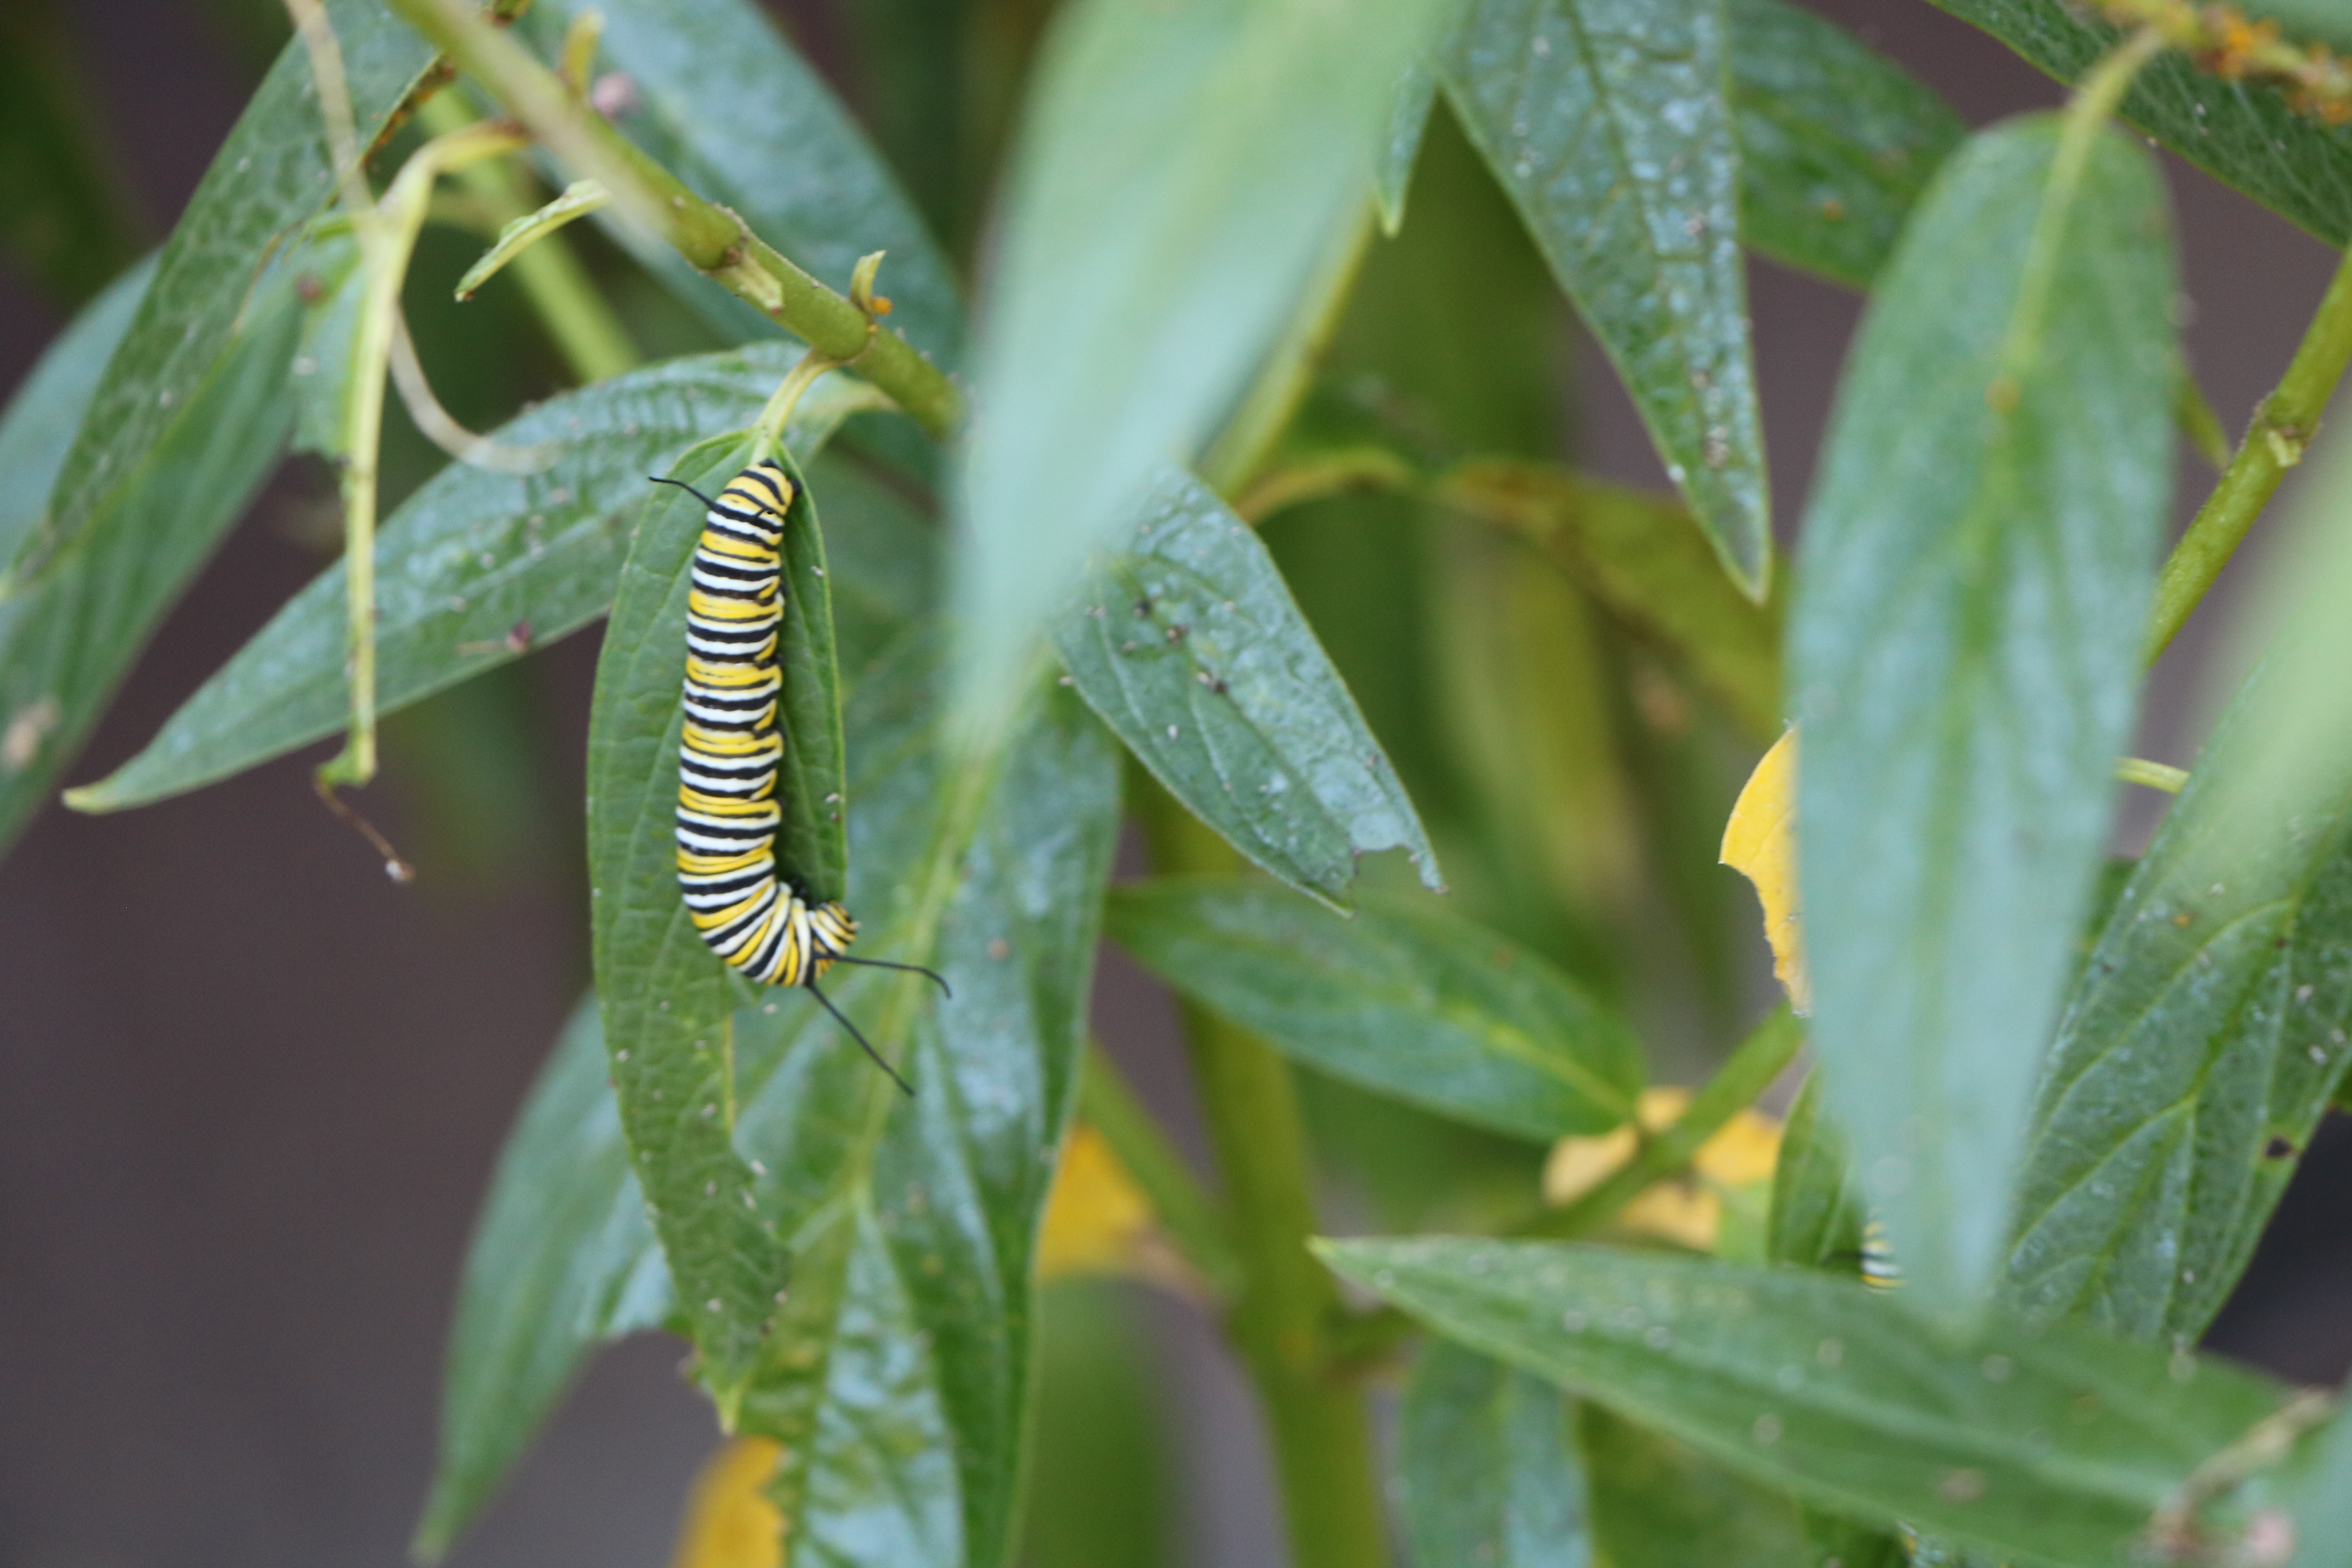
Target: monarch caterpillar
[759,922]
[1875,1259]
[1878,1265]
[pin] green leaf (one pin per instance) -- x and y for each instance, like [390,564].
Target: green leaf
[1526,690]
[897,1379]
[1657,1502]
[2051,1446]
[67,638]
[1416,94]
[268,179]
[723,101]
[473,569]
[1645,560]
[667,1000]
[1488,1469]
[1401,998]
[2308,21]
[1836,142]
[1816,1219]
[47,406]
[2323,1501]
[562,1262]
[1964,656]
[2199,1050]
[1610,124]
[518,1345]
[1178,179]
[1194,651]
[2244,135]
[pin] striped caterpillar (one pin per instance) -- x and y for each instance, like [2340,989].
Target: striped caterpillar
[759,919]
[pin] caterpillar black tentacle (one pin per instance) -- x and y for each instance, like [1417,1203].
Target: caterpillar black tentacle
[841,1018]
[931,974]
[758,921]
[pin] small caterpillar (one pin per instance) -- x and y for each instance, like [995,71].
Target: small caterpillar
[759,920]
[1878,1266]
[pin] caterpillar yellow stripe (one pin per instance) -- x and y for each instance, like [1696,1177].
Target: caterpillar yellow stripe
[755,916]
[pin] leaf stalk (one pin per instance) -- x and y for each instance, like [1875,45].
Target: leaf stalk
[2282,426]
[712,239]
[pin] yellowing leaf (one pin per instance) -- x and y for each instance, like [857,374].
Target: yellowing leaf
[1577,1166]
[1743,1152]
[1097,1221]
[1678,1212]
[730,1523]
[1760,842]
[1687,1210]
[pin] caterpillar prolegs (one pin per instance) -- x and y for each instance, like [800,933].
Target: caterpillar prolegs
[755,916]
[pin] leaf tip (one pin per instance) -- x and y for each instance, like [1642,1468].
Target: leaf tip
[92,799]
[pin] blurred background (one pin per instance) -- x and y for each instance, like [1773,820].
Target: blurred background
[250,1092]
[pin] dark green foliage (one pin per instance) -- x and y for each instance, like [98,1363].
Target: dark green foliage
[1286,514]
[1191,647]
[1401,998]
[2247,137]
[1609,123]
[2052,1447]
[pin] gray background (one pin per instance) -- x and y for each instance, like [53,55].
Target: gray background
[249,1093]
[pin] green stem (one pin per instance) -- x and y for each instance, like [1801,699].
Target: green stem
[1331,473]
[584,330]
[1286,1304]
[1191,1222]
[2193,412]
[2087,113]
[2282,426]
[2152,775]
[710,238]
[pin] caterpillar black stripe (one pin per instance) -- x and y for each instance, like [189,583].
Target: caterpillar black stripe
[756,917]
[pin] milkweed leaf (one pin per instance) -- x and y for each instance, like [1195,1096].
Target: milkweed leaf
[1191,647]
[1964,657]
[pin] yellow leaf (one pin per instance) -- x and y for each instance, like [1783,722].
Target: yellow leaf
[1676,1212]
[730,1523]
[1743,1151]
[1689,1212]
[1577,1166]
[1097,1221]
[1760,843]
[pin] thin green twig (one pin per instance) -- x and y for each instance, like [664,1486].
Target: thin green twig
[584,329]
[2282,427]
[713,239]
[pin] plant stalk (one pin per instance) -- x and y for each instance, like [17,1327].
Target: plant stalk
[584,328]
[1286,1304]
[715,240]
[1184,1213]
[2283,425]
